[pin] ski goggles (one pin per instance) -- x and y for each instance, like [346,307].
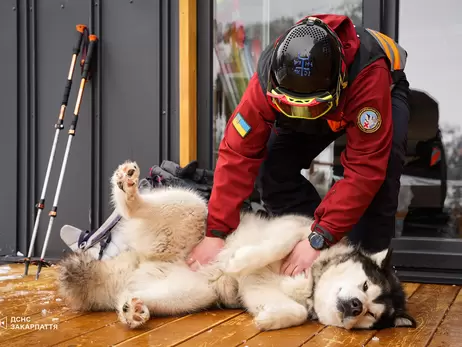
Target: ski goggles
[312,107]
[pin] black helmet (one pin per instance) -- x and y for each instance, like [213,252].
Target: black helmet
[306,70]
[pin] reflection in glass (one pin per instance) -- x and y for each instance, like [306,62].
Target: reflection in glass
[242,29]
[431,190]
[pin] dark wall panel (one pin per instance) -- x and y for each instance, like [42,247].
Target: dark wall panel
[205,81]
[8,130]
[129,109]
[130,86]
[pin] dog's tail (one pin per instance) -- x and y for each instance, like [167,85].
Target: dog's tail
[88,284]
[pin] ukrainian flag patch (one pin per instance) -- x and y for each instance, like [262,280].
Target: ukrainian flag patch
[241,126]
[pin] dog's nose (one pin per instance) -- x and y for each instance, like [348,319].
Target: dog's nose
[351,307]
[356,306]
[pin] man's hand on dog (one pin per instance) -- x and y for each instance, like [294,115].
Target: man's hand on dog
[204,252]
[301,258]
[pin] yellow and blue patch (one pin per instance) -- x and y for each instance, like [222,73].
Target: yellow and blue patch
[241,126]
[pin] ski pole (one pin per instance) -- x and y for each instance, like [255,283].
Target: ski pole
[72,130]
[81,29]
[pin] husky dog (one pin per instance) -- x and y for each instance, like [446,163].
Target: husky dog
[345,286]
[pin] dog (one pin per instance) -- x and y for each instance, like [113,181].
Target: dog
[345,287]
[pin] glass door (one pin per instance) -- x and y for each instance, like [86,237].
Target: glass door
[429,220]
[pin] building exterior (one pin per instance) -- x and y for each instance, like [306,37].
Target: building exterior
[169,74]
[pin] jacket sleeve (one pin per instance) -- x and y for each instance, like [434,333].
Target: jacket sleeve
[365,158]
[240,155]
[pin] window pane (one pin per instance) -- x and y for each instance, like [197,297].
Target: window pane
[242,30]
[431,203]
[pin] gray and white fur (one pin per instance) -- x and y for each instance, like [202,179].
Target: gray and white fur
[345,287]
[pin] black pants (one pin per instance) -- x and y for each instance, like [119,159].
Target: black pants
[284,190]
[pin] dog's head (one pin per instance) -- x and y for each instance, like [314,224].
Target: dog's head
[361,291]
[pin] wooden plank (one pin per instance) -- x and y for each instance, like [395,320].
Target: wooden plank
[449,333]
[172,334]
[26,302]
[332,336]
[66,330]
[54,315]
[428,306]
[188,80]
[295,336]
[241,330]
[230,333]
[113,333]
[15,277]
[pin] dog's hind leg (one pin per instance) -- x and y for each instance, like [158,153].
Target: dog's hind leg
[125,194]
[271,308]
[156,292]
[277,241]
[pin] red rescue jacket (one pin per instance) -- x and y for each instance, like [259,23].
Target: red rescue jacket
[364,159]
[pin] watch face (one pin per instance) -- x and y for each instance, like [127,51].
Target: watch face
[317,241]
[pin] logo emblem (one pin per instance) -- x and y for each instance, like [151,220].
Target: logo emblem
[303,66]
[3,323]
[369,120]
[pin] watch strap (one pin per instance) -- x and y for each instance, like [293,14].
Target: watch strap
[324,233]
[219,234]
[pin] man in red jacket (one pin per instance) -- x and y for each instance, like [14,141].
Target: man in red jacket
[321,79]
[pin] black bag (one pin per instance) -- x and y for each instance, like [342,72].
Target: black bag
[191,176]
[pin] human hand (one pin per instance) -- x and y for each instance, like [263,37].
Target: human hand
[300,259]
[204,252]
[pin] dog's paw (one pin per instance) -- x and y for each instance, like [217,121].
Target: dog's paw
[126,176]
[134,313]
[241,261]
[267,320]
[275,319]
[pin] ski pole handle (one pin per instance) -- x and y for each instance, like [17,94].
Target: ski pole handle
[81,29]
[86,69]
[91,48]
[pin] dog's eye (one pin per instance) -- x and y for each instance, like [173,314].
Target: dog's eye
[125,308]
[365,286]
[371,314]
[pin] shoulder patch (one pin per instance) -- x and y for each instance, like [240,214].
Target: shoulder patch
[369,120]
[241,126]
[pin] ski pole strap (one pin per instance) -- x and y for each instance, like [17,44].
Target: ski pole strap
[103,245]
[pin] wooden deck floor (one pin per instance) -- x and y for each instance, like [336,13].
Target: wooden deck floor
[437,309]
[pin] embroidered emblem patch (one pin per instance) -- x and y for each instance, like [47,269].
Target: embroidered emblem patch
[241,126]
[369,120]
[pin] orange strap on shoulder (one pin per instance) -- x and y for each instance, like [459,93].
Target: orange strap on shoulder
[336,126]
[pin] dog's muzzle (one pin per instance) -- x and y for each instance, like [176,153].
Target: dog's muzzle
[350,307]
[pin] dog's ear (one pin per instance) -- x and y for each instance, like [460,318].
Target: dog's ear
[404,319]
[383,258]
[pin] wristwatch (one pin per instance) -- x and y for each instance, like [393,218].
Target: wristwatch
[320,238]
[317,241]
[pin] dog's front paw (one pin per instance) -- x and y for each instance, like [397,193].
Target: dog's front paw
[241,261]
[126,176]
[134,313]
[280,318]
